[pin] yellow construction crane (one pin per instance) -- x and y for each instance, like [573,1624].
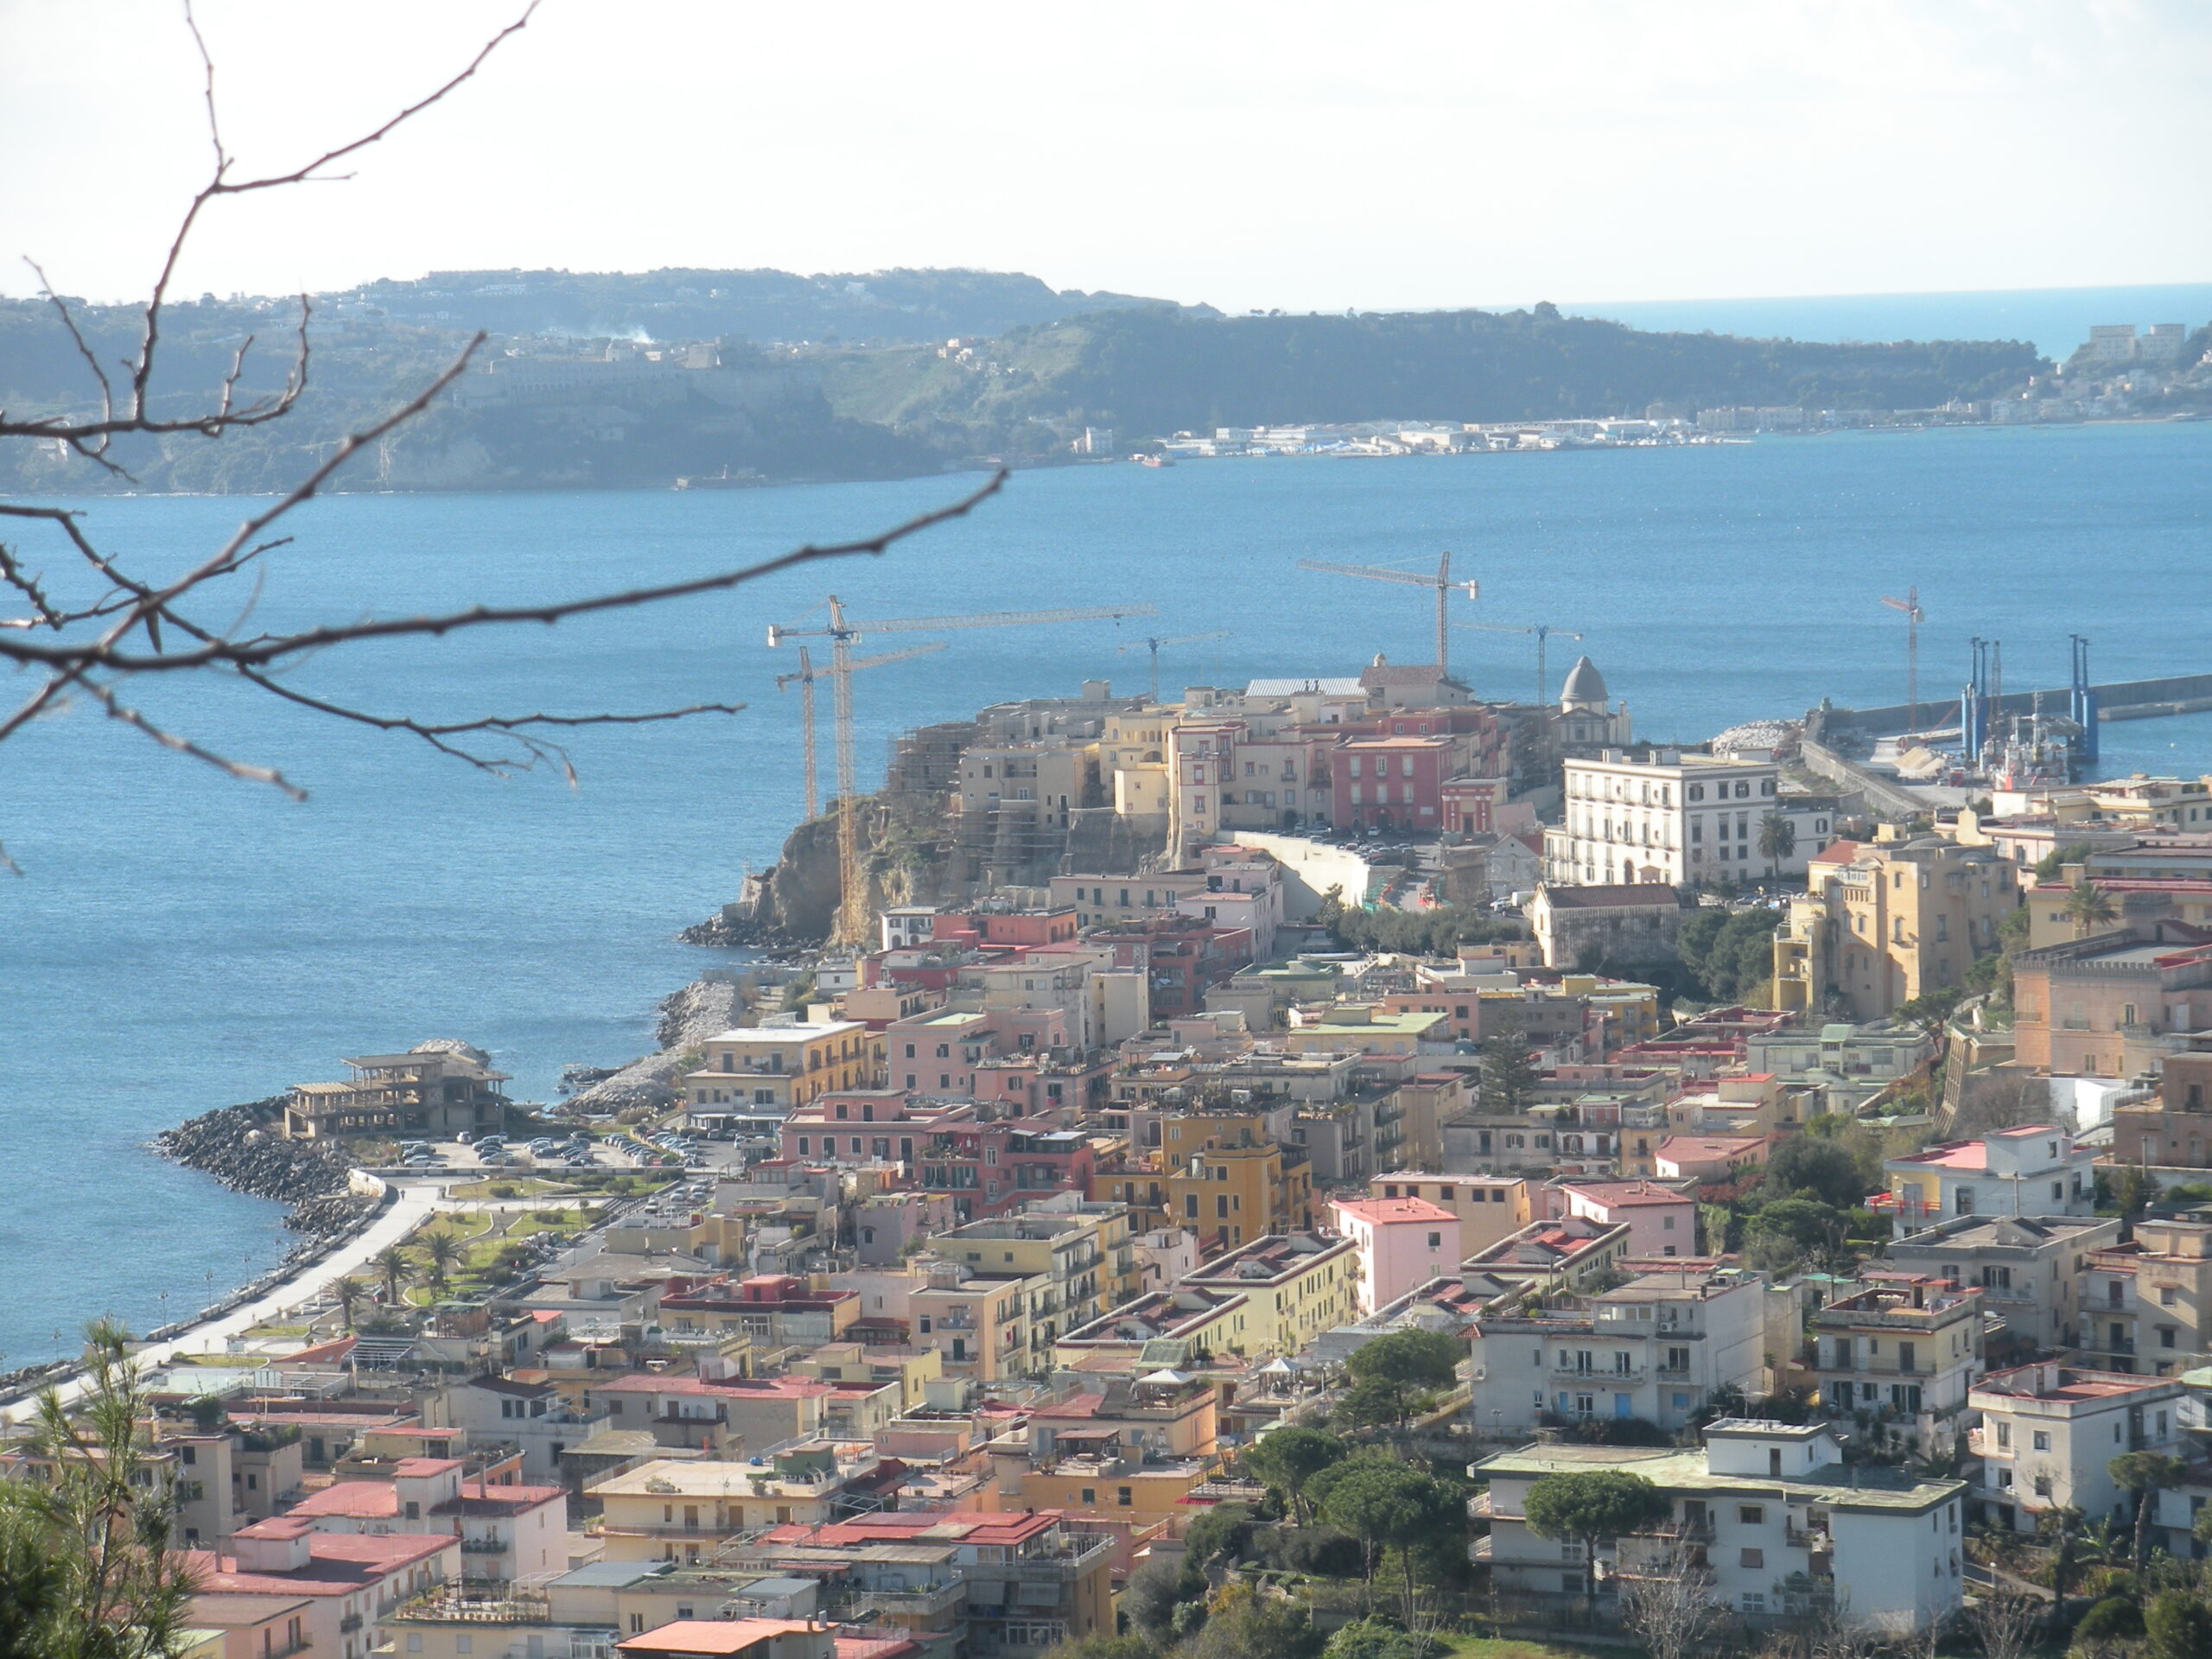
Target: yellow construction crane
[1543,631]
[805,680]
[1442,582]
[1914,616]
[1152,644]
[841,631]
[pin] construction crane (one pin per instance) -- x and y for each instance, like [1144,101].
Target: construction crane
[1543,631]
[1913,618]
[805,680]
[841,631]
[1442,582]
[1154,645]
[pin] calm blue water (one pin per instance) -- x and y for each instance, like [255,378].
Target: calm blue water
[2057,320]
[181,941]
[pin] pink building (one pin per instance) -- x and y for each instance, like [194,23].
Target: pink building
[507,1531]
[348,1579]
[1661,1221]
[1402,1245]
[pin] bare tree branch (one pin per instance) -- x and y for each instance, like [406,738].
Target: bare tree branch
[83,638]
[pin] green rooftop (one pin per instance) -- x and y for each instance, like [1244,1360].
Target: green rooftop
[1834,1486]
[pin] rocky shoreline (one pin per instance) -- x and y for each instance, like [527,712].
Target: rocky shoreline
[237,1145]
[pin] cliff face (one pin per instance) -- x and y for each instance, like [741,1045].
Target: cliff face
[912,857]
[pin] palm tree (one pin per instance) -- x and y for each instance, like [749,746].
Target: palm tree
[347,1296]
[2088,906]
[1777,841]
[443,1250]
[391,1261]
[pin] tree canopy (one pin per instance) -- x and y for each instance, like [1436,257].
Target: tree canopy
[1815,1165]
[1726,953]
[1286,1458]
[1593,1504]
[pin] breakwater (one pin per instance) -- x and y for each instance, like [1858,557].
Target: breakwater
[2120,700]
[240,1147]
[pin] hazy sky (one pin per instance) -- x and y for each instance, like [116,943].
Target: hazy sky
[1293,154]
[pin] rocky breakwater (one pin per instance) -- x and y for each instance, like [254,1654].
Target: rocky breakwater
[647,1087]
[240,1147]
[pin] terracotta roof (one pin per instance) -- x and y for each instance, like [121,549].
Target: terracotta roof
[338,1564]
[713,1636]
[1381,1212]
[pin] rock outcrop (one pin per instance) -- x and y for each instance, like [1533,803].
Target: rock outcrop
[240,1147]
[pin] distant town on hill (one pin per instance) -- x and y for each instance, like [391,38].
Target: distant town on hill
[719,378]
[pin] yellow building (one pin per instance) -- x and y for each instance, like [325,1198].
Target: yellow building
[1298,1285]
[1369,1028]
[1083,1254]
[1902,917]
[1223,1177]
[782,1067]
[667,1510]
[1145,1493]
[978,1324]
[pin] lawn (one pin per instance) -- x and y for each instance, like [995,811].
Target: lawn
[1491,1646]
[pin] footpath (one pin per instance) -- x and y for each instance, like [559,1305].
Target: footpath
[413,1204]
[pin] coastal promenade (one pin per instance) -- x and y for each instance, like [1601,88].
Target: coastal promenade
[415,1202]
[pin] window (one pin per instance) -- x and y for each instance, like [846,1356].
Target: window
[1751,1514]
[1436,1241]
[1125,1496]
[1753,1558]
[2041,1440]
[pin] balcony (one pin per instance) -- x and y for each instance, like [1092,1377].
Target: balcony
[1799,1538]
[911,1604]
[483,1546]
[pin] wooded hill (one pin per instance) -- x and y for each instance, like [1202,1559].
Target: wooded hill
[1150,372]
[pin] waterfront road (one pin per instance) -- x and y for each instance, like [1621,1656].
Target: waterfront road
[416,1203]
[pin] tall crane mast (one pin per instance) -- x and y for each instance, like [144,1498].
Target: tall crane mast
[805,680]
[1543,631]
[1153,643]
[841,632]
[1442,582]
[1914,616]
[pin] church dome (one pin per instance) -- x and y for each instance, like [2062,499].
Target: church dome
[1585,686]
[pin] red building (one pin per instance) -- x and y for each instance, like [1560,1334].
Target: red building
[1391,783]
[1185,957]
[989,1168]
[1014,927]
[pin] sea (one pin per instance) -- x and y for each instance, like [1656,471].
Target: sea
[180,940]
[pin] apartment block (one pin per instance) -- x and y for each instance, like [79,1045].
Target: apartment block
[1658,1347]
[2029,1268]
[1487,1207]
[2049,1431]
[1675,819]
[1296,1286]
[2112,1005]
[2036,1170]
[1768,1510]
[1898,1357]
[1903,918]
[774,1068]
[2146,1305]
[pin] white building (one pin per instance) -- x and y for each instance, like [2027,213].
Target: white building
[1675,818]
[1658,1347]
[1898,1357]
[1767,1510]
[2049,1432]
[2037,1170]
